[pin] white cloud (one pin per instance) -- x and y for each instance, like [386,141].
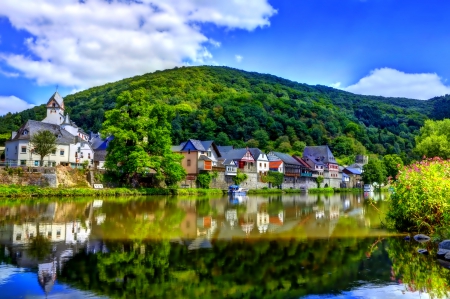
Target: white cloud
[86,43]
[393,83]
[336,85]
[238,58]
[12,104]
[9,74]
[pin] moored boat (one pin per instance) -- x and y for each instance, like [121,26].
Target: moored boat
[236,190]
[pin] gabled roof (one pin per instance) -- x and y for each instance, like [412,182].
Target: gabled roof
[207,144]
[285,158]
[320,153]
[97,143]
[58,99]
[32,127]
[355,171]
[229,162]
[236,154]
[275,164]
[256,152]
[197,144]
[300,160]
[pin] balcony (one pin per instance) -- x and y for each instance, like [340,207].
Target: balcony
[306,174]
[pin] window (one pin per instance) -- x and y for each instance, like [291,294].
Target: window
[18,237]
[23,162]
[58,233]
[23,149]
[31,235]
[260,164]
[89,155]
[54,152]
[189,162]
[61,152]
[25,132]
[36,163]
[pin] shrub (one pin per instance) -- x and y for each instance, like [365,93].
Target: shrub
[421,198]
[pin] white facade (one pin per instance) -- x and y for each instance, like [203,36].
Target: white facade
[72,143]
[262,164]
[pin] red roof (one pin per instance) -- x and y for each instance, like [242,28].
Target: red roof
[275,164]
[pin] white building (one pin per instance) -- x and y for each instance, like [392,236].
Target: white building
[72,148]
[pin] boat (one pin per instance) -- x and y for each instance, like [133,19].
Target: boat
[368,188]
[236,190]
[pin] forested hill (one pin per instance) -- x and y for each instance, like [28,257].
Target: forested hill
[237,107]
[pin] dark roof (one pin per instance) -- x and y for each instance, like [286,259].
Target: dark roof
[224,149]
[300,160]
[204,158]
[97,142]
[235,154]
[352,170]
[285,158]
[206,144]
[320,153]
[33,126]
[196,143]
[256,152]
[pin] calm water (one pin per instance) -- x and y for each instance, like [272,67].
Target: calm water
[297,246]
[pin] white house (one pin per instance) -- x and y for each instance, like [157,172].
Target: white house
[72,148]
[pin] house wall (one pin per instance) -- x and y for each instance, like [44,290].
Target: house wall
[193,156]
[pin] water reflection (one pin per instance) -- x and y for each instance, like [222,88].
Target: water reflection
[257,246]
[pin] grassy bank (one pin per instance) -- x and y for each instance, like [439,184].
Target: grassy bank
[33,191]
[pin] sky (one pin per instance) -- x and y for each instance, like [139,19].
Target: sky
[395,48]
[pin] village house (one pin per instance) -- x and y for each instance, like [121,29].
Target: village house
[290,167]
[198,156]
[262,162]
[322,162]
[72,146]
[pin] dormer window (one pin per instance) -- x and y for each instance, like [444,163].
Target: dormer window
[54,105]
[25,132]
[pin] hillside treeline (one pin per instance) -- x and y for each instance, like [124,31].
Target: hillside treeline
[235,107]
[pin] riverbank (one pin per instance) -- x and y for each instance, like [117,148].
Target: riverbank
[34,191]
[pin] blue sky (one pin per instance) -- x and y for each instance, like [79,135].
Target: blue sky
[383,47]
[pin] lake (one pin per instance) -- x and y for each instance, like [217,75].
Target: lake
[280,246]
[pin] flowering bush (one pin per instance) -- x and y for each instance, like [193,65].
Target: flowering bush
[421,199]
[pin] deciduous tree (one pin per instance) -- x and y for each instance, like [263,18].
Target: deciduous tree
[43,144]
[142,141]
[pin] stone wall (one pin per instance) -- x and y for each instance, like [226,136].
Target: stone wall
[28,177]
[222,182]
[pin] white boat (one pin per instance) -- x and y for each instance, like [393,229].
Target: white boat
[236,190]
[368,188]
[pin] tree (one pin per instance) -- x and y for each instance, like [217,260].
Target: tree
[275,178]
[142,141]
[374,172]
[434,139]
[203,180]
[319,180]
[239,178]
[392,163]
[43,144]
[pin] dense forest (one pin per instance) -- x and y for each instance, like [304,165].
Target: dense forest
[235,107]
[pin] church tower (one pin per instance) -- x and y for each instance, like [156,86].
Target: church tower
[55,110]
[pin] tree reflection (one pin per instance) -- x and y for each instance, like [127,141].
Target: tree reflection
[417,271]
[39,247]
[256,269]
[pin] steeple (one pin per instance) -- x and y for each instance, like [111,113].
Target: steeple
[55,109]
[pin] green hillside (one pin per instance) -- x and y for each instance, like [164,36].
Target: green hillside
[246,108]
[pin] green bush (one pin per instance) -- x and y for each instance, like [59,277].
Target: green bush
[421,198]
[320,190]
